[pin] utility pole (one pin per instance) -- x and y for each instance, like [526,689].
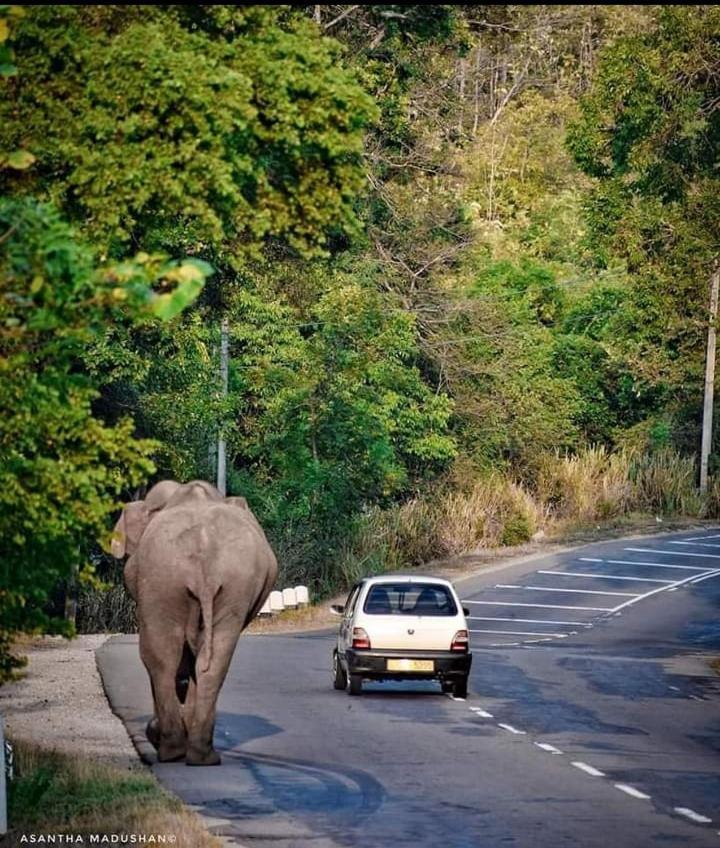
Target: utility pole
[709,382]
[221,462]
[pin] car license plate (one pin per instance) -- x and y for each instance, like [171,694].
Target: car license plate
[410,665]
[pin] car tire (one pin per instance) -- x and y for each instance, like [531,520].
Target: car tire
[340,680]
[355,684]
[447,686]
[460,687]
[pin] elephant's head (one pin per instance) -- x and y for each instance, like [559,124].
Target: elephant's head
[196,492]
[137,515]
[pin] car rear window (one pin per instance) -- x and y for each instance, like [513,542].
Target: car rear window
[409,599]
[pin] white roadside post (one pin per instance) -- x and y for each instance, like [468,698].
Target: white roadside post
[276,602]
[302,595]
[265,608]
[289,599]
[3,787]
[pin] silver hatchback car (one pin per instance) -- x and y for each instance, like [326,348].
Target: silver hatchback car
[402,628]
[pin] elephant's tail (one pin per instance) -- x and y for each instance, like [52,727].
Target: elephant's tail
[206,607]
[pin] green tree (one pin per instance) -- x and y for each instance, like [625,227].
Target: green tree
[195,129]
[62,469]
[648,135]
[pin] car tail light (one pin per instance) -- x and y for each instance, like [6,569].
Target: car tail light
[460,641]
[360,638]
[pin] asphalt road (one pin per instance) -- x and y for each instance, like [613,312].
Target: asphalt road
[592,719]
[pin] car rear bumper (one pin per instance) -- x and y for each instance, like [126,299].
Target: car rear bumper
[447,665]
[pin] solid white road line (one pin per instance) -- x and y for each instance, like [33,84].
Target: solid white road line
[715,536]
[692,815]
[704,577]
[530,621]
[588,769]
[655,591]
[546,746]
[541,606]
[606,576]
[670,553]
[656,565]
[578,591]
[697,544]
[521,633]
[512,729]
[507,586]
[631,790]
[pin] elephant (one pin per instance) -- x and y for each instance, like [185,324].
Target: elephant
[200,568]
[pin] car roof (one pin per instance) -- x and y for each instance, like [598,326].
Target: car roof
[406,578]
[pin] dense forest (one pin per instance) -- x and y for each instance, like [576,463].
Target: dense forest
[463,254]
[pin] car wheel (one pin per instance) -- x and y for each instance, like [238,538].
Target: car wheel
[447,686]
[460,687]
[355,684]
[339,676]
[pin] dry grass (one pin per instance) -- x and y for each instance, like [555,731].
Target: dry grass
[58,793]
[569,492]
[107,610]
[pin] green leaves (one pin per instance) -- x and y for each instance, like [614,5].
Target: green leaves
[649,132]
[18,160]
[63,470]
[190,278]
[157,131]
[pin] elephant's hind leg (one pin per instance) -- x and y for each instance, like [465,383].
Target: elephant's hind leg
[201,724]
[161,654]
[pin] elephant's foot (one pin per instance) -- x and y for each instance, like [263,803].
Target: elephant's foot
[170,750]
[152,731]
[197,757]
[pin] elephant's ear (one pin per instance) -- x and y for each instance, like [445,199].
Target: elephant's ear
[238,501]
[129,529]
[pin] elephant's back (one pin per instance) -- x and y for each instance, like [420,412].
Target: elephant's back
[215,535]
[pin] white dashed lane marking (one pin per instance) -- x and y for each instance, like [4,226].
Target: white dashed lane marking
[692,815]
[593,772]
[631,790]
[511,729]
[480,712]
[546,746]
[700,573]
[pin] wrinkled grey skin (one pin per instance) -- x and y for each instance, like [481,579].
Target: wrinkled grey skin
[200,569]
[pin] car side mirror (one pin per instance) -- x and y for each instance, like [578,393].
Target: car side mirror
[337,609]
[466,611]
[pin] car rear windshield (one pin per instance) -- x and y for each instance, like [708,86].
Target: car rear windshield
[409,599]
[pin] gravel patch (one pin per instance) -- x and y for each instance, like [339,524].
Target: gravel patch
[59,704]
